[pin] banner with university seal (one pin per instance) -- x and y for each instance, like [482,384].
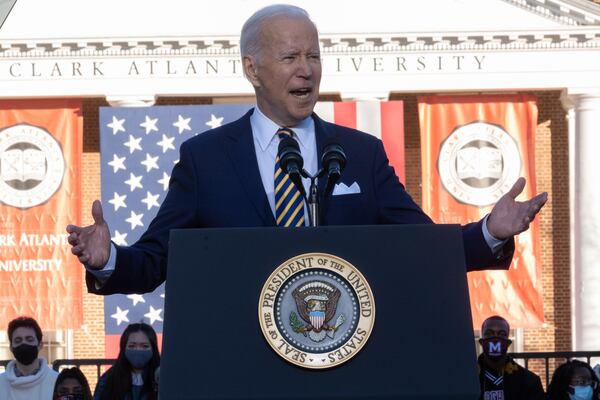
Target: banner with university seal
[40,193]
[316,310]
[473,149]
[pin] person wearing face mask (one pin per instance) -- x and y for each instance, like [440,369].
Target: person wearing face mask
[132,376]
[28,376]
[574,380]
[501,378]
[72,384]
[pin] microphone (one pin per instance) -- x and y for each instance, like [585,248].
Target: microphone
[291,162]
[333,161]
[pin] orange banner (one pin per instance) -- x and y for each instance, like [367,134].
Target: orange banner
[40,193]
[473,150]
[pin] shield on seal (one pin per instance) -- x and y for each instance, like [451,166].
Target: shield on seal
[316,319]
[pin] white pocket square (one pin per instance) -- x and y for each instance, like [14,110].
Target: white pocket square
[342,189]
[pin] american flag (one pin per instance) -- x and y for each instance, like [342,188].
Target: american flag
[140,146]
[138,149]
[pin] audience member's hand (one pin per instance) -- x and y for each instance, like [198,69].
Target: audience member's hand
[91,244]
[510,217]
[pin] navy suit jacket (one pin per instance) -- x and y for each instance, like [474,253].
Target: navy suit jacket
[217,184]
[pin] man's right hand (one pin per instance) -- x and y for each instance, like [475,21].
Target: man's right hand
[91,244]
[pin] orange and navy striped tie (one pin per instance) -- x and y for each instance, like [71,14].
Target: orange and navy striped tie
[289,202]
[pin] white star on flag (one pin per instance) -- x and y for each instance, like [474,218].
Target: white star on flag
[164,181]
[183,124]
[119,238]
[136,298]
[149,124]
[135,220]
[214,121]
[166,143]
[151,200]
[117,163]
[134,182]
[150,162]
[120,315]
[116,125]
[154,315]
[118,201]
[133,143]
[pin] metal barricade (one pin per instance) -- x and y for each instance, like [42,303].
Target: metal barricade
[559,356]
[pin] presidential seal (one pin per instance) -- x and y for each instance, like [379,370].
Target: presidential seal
[316,310]
[478,163]
[31,166]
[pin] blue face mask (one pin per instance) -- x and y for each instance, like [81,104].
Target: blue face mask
[581,393]
[138,358]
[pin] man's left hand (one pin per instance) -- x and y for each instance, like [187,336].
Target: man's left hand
[510,217]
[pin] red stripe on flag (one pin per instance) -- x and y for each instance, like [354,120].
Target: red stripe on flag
[344,113]
[392,134]
[111,345]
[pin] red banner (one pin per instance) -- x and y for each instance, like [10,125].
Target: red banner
[40,193]
[473,150]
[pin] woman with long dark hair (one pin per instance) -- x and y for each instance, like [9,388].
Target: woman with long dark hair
[573,380]
[132,376]
[71,384]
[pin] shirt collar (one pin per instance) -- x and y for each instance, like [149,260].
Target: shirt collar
[264,129]
[18,372]
[137,379]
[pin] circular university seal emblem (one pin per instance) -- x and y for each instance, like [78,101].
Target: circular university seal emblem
[31,165]
[478,163]
[316,310]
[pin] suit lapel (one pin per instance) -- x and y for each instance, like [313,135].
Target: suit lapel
[323,135]
[240,147]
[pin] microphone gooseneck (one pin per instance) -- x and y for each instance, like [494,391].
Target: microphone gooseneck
[334,162]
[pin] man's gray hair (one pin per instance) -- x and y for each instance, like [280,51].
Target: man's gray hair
[251,31]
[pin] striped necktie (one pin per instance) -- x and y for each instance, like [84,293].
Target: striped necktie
[289,202]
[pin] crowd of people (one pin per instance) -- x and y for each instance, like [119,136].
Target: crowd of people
[501,378]
[135,374]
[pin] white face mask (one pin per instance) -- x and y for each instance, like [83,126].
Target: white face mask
[581,393]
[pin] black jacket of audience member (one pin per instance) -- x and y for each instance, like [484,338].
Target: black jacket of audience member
[519,383]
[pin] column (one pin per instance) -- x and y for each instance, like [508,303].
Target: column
[586,221]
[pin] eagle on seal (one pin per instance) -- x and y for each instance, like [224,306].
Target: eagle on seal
[316,302]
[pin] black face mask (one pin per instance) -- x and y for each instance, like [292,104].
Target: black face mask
[495,347]
[25,353]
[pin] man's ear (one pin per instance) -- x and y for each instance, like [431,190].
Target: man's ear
[251,70]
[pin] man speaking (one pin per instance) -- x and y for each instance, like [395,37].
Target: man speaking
[230,176]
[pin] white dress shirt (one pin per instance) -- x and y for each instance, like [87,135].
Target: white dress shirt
[266,144]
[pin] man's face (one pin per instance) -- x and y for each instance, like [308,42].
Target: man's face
[495,328]
[287,71]
[24,335]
